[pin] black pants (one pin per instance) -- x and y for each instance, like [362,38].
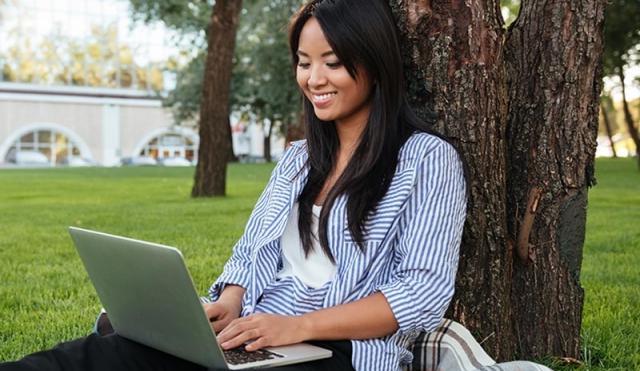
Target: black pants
[112,352]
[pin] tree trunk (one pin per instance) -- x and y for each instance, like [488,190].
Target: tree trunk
[455,49]
[553,57]
[231,156]
[523,112]
[210,177]
[267,141]
[628,118]
[607,126]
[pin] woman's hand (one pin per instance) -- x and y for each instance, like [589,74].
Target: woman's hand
[226,308]
[221,313]
[263,330]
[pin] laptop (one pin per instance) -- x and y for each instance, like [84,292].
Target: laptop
[150,298]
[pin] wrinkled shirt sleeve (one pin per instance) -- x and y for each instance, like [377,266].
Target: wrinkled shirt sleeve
[422,284]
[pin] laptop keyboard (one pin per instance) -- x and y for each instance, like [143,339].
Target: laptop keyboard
[239,356]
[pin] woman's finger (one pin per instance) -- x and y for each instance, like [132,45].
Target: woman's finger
[229,330]
[220,325]
[258,344]
[233,329]
[240,339]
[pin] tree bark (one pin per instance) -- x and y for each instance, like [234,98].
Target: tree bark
[231,156]
[607,127]
[266,140]
[454,49]
[210,177]
[553,57]
[522,108]
[628,118]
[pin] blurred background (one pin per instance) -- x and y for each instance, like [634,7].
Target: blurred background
[83,82]
[118,82]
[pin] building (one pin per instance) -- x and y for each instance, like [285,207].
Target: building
[80,83]
[100,125]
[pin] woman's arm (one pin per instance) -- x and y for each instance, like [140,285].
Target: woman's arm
[369,317]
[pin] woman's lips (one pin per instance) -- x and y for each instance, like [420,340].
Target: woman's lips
[322,100]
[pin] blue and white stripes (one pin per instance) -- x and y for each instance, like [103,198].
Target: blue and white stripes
[411,248]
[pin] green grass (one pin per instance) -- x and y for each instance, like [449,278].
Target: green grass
[611,268]
[45,295]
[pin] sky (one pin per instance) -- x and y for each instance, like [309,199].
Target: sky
[74,18]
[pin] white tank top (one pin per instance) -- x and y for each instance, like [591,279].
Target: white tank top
[313,270]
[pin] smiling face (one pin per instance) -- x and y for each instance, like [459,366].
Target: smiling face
[335,95]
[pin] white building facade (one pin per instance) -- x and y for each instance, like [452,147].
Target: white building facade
[101,126]
[80,82]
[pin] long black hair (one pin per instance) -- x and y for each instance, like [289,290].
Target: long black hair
[362,34]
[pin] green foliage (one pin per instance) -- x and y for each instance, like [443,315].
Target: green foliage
[187,17]
[190,19]
[46,297]
[263,86]
[184,100]
[621,35]
[510,10]
[98,59]
[263,82]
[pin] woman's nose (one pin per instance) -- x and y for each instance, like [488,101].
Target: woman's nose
[316,77]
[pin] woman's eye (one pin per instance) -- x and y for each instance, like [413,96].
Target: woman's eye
[334,65]
[303,65]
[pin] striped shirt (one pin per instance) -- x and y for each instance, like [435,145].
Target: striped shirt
[411,246]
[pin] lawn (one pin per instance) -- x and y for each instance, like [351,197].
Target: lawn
[611,268]
[45,295]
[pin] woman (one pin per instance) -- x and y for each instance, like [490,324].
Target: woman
[354,241]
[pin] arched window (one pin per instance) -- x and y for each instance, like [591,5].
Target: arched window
[38,144]
[170,144]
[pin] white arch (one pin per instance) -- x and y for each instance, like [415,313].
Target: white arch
[185,132]
[85,152]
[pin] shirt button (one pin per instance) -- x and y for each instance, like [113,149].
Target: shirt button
[248,308]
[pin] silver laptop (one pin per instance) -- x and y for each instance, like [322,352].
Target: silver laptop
[150,298]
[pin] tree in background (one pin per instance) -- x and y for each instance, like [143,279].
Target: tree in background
[521,104]
[264,87]
[213,64]
[622,37]
[208,104]
[98,60]
[260,87]
[606,107]
[191,20]
[214,130]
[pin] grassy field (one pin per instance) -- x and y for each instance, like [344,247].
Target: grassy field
[45,295]
[611,268]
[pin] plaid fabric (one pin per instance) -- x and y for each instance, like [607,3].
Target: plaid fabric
[451,347]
